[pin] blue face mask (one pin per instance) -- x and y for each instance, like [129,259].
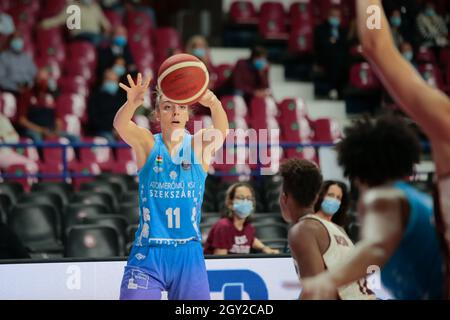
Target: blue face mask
[52,85]
[430,12]
[396,21]
[260,64]
[408,55]
[243,208]
[335,22]
[330,205]
[17,44]
[119,69]
[110,86]
[120,41]
[199,52]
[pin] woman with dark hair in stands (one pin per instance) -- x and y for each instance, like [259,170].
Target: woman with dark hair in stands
[332,202]
[234,233]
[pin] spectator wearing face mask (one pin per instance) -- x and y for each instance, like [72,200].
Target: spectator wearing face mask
[331,47]
[234,234]
[432,28]
[37,117]
[198,46]
[250,77]
[407,51]
[117,48]
[399,28]
[92,21]
[332,202]
[7,28]
[17,69]
[103,105]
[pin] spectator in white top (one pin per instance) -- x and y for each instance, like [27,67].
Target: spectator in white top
[92,21]
[432,27]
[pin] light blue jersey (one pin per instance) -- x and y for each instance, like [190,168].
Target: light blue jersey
[416,269]
[170,196]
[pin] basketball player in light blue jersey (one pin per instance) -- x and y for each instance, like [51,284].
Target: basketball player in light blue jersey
[167,253]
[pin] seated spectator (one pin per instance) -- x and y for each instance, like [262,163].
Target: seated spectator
[8,156]
[198,46]
[331,49]
[136,5]
[17,69]
[103,105]
[399,28]
[116,48]
[332,202]
[234,233]
[37,118]
[10,245]
[7,28]
[92,21]
[432,28]
[407,51]
[250,77]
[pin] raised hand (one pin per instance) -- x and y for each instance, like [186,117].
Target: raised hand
[136,92]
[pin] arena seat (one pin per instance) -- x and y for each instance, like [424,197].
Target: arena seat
[130,211]
[36,225]
[75,213]
[272,20]
[326,130]
[425,55]
[301,40]
[5,205]
[114,18]
[13,190]
[119,223]
[138,20]
[167,43]
[432,75]
[62,189]
[88,197]
[363,77]
[301,13]
[243,12]
[93,241]
[270,230]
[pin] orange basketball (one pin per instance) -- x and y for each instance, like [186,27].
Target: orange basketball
[183,79]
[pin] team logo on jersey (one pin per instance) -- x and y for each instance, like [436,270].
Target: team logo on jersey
[185,165]
[173,175]
[341,240]
[159,159]
[157,169]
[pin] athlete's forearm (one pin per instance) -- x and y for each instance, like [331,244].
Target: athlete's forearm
[366,254]
[124,116]
[219,116]
[372,37]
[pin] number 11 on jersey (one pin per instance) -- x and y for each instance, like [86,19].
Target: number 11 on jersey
[170,213]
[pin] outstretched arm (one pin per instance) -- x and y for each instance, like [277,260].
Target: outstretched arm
[429,107]
[208,141]
[382,232]
[140,139]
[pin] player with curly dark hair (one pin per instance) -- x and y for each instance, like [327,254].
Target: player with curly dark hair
[398,232]
[316,243]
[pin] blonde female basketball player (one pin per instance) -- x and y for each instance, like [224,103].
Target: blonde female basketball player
[167,254]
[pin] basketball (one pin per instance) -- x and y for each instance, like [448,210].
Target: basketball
[183,79]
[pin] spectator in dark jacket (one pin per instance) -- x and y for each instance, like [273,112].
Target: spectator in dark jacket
[117,48]
[250,77]
[103,105]
[331,51]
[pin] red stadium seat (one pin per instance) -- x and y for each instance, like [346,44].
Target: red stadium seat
[261,110]
[168,43]
[138,20]
[243,12]
[51,8]
[425,55]
[272,21]
[73,85]
[223,72]
[53,156]
[291,110]
[363,77]
[20,170]
[114,18]
[71,124]
[29,152]
[444,57]
[71,104]
[83,51]
[300,13]
[234,106]
[74,68]
[301,40]
[326,130]
[100,155]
